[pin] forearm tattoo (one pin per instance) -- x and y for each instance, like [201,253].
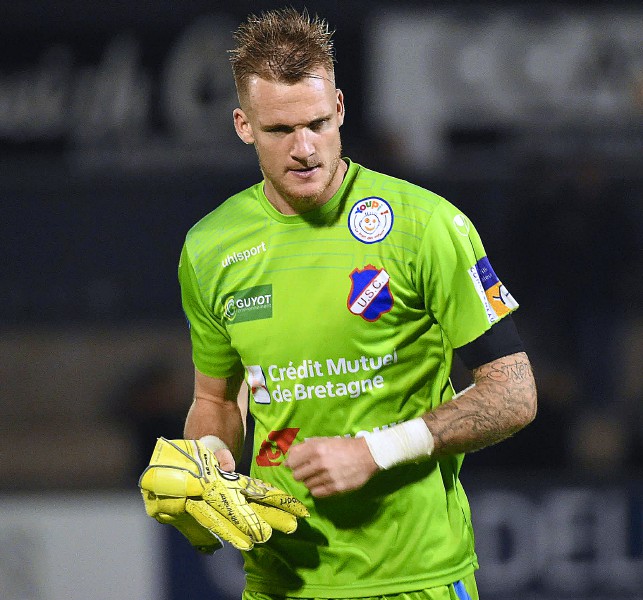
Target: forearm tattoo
[500,403]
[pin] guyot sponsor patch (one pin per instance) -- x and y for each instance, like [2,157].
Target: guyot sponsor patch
[370,296]
[250,304]
[370,220]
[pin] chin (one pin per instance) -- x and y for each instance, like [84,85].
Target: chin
[305,192]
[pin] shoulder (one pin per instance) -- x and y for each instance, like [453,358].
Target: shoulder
[229,216]
[402,191]
[409,201]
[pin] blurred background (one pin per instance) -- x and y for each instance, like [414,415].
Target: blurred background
[116,136]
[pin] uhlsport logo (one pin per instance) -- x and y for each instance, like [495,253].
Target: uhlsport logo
[243,255]
[250,304]
[370,220]
[370,296]
[462,225]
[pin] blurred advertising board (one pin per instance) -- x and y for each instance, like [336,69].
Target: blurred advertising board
[543,541]
[144,94]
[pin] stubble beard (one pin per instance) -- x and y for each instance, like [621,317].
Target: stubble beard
[298,203]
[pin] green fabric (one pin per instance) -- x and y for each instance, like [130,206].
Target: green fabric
[442,592]
[288,299]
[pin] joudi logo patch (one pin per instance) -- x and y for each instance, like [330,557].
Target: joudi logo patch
[370,220]
[272,451]
[370,296]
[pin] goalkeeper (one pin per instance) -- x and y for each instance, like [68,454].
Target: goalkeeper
[327,275]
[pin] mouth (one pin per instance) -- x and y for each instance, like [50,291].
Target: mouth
[305,173]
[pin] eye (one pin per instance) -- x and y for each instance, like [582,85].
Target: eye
[282,129]
[318,124]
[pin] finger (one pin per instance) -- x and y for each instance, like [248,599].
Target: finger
[317,480]
[226,460]
[323,487]
[295,457]
[301,453]
[322,490]
[305,471]
[326,484]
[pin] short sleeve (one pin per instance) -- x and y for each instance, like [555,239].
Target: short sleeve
[212,352]
[459,286]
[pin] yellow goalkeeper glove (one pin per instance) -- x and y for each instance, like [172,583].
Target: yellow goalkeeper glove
[184,487]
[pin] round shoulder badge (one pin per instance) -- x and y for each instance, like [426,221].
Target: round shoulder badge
[370,220]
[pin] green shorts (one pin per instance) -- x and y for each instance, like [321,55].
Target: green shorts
[465,589]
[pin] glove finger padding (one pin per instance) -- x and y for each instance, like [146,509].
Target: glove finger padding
[276,518]
[209,519]
[172,512]
[274,506]
[225,511]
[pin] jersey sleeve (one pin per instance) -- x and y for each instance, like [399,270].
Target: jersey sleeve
[212,351]
[459,286]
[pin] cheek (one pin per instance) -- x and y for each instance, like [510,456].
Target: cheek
[267,153]
[332,139]
[277,146]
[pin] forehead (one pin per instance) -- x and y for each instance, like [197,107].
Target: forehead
[304,101]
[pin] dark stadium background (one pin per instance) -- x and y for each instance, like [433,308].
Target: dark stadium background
[116,136]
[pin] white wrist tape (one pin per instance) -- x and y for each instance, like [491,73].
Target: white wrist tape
[401,443]
[213,443]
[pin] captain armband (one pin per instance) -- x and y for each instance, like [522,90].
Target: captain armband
[405,442]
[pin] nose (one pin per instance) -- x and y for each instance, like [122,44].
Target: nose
[302,147]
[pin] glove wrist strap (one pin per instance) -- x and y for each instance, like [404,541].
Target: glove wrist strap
[401,443]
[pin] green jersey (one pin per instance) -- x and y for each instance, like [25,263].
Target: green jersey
[345,320]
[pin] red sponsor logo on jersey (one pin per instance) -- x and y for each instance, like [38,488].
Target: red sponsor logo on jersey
[273,450]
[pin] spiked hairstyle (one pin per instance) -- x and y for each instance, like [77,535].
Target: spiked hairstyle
[281,45]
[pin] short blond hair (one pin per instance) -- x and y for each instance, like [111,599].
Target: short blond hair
[281,45]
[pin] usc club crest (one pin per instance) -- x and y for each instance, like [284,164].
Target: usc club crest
[370,296]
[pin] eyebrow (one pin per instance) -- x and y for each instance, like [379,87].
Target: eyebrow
[282,127]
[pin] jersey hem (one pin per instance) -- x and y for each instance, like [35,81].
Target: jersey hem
[360,590]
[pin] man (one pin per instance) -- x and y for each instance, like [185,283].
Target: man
[339,295]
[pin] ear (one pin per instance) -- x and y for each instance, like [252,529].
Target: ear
[341,111]
[242,126]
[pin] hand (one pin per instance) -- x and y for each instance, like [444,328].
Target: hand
[328,466]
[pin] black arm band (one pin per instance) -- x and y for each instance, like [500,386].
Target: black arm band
[498,341]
